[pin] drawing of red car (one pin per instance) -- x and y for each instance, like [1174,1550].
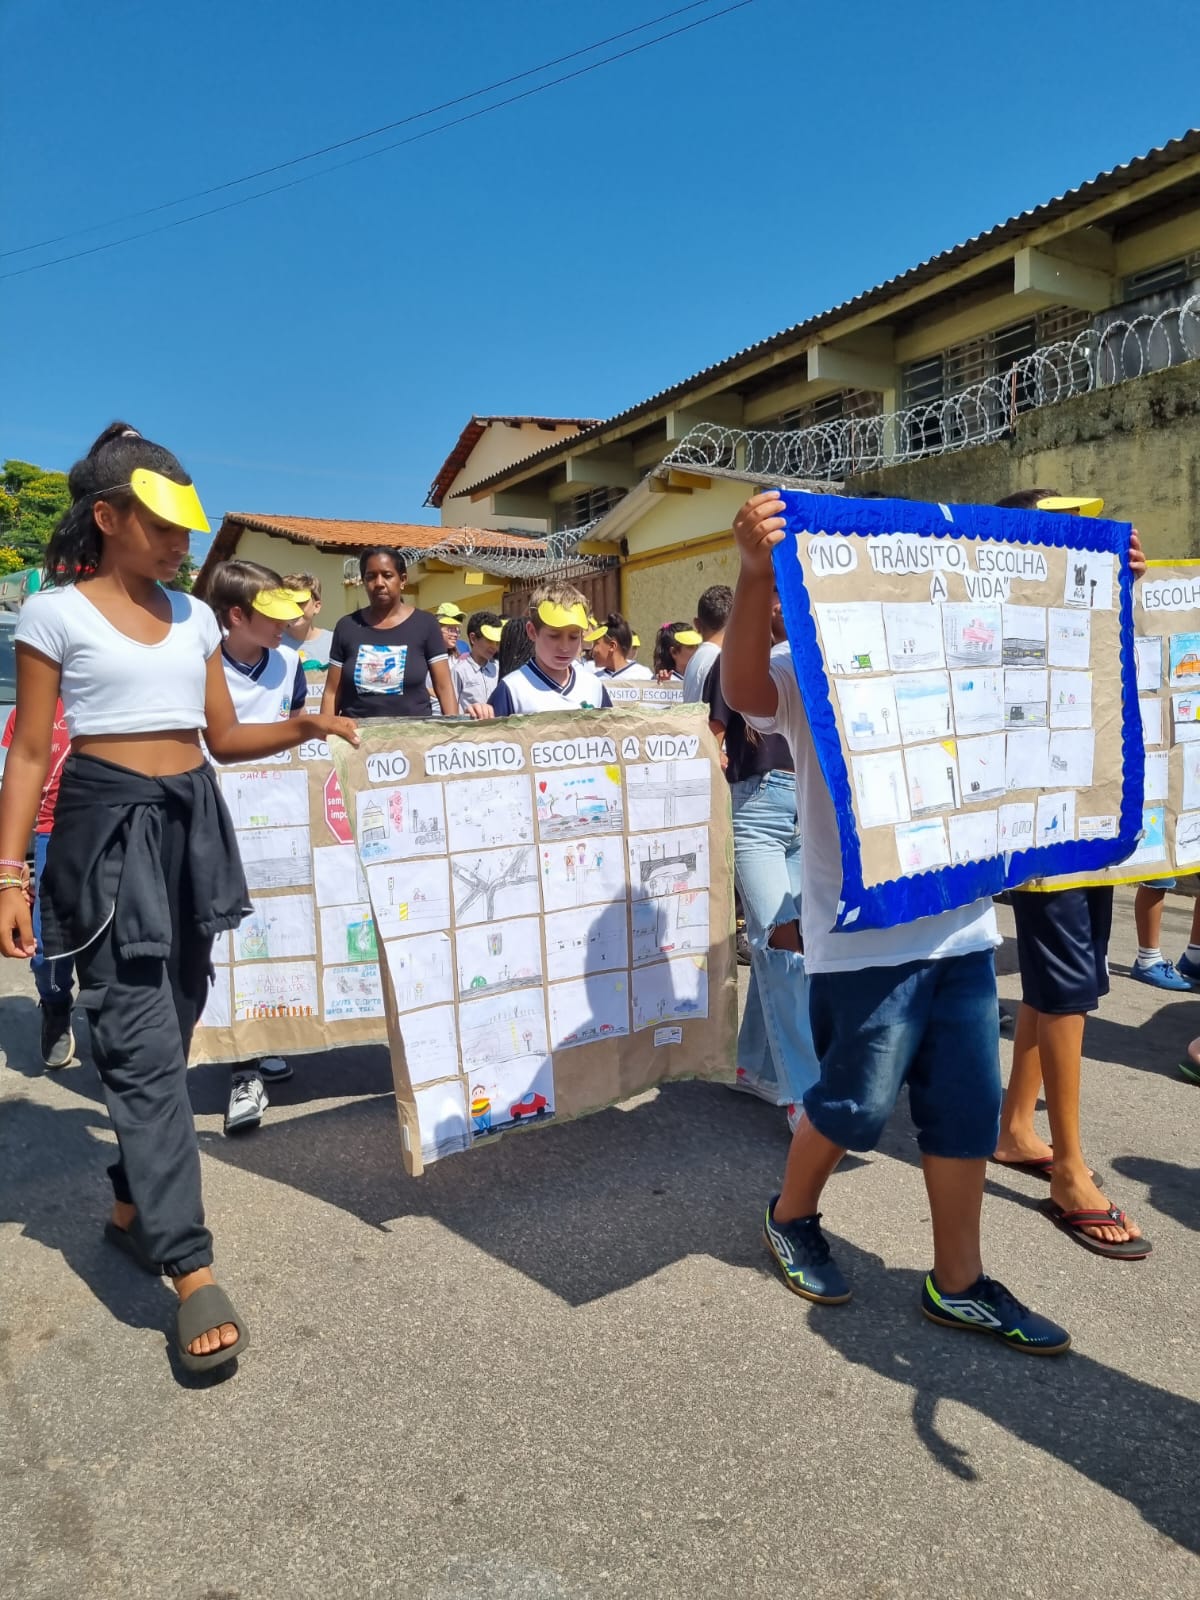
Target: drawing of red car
[533,1105]
[975,632]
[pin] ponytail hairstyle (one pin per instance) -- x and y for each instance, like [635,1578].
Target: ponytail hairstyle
[619,632]
[76,545]
[664,661]
[516,647]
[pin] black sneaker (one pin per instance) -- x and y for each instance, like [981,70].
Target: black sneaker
[58,1042]
[988,1307]
[802,1255]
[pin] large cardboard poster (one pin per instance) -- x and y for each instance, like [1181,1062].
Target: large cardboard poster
[970,680]
[1167,645]
[301,974]
[553,901]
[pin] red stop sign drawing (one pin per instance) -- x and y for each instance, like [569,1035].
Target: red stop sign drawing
[335,811]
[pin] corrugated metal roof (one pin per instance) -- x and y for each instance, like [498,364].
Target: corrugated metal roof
[1104,184]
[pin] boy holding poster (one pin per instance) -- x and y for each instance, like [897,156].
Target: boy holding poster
[266,684]
[911,1004]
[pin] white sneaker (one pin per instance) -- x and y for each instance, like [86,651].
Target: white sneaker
[794,1113]
[247,1102]
[274,1069]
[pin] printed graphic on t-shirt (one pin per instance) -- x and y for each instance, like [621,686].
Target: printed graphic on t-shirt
[379,668]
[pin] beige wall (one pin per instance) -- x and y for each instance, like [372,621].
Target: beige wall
[500,446]
[1137,445]
[667,591]
[285,557]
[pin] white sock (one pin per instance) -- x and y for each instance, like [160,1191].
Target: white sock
[1147,958]
[1193,953]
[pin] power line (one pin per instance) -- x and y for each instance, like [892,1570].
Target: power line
[368,155]
[341,144]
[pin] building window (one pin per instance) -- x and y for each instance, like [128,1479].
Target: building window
[1178,274]
[584,508]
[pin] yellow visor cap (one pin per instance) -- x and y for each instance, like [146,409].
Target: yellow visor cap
[278,604]
[636,642]
[556,616]
[300,596]
[491,632]
[592,634]
[1082,505]
[688,636]
[177,503]
[447,612]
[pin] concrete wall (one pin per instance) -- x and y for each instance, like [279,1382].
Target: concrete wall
[667,591]
[285,557]
[1137,444]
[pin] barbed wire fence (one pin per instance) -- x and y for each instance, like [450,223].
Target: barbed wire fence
[549,556]
[1098,358]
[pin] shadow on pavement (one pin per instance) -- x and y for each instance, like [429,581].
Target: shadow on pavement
[1133,1439]
[1155,1045]
[1174,1189]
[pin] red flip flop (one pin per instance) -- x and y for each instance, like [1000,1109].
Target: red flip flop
[1073,1223]
[1043,1167]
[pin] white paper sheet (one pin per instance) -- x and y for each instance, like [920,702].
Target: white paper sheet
[1187,839]
[914,636]
[671,863]
[495,885]
[1190,755]
[1152,846]
[409,897]
[442,1120]
[421,970]
[1149,654]
[217,1012]
[348,933]
[1072,754]
[1151,710]
[1071,699]
[352,992]
[1055,819]
[589,1010]
[852,637]
[1070,638]
[1026,696]
[673,926]
[1185,707]
[269,799]
[1025,638]
[264,989]
[504,1027]
[583,872]
[868,712]
[668,794]
[922,846]
[398,823]
[1089,582]
[498,956]
[482,813]
[880,788]
[670,991]
[592,939]
[430,1044]
[978,697]
[574,801]
[1157,777]
[1027,759]
[972,635]
[923,705]
[981,767]
[512,1095]
[973,836]
[280,927]
[932,771]
[1016,827]
[275,858]
[337,875]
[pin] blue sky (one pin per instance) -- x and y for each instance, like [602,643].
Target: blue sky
[317,352]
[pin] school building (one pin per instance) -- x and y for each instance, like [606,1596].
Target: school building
[1059,349]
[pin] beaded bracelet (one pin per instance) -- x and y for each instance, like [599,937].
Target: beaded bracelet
[7,861]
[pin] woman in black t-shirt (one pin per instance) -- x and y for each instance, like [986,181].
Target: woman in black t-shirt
[381,656]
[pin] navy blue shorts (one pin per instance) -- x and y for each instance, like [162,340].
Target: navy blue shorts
[1062,948]
[934,1025]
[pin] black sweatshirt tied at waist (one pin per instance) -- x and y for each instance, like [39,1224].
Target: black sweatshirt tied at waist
[105,859]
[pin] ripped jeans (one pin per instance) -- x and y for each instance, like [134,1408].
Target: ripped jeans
[775,1053]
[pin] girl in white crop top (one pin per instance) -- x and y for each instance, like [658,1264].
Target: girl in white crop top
[138,668]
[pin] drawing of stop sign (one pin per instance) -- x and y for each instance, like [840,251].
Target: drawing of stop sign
[335,811]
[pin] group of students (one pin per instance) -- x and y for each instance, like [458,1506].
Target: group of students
[141,874]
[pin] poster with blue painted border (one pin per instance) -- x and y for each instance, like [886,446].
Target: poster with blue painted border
[970,680]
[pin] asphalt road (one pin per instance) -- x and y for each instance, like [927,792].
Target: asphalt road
[560,1366]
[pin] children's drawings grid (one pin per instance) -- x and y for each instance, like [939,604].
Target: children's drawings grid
[945,708]
[535,916]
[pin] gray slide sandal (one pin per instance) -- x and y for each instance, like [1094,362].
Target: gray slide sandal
[208,1308]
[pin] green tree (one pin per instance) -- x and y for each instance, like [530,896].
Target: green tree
[31,502]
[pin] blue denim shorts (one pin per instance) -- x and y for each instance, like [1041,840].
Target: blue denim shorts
[931,1024]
